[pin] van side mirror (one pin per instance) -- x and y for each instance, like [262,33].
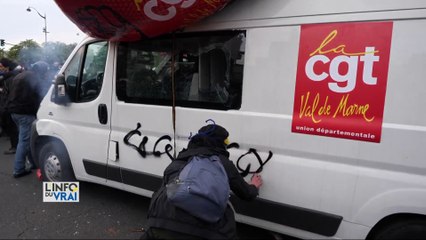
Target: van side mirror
[59,94]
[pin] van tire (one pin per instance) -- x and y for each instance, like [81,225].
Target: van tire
[55,164]
[414,228]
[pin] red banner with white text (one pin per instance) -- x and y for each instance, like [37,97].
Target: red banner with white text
[341,80]
[128,20]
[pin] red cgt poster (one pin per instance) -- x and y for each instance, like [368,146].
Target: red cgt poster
[341,80]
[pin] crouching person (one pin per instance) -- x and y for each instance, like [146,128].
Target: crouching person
[167,218]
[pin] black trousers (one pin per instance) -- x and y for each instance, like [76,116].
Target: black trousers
[9,127]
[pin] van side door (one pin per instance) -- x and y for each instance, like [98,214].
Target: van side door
[201,71]
[86,116]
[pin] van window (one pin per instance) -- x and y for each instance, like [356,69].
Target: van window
[71,74]
[207,69]
[84,75]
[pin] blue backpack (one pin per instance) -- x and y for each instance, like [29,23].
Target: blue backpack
[201,189]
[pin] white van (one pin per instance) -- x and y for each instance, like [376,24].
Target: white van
[326,99]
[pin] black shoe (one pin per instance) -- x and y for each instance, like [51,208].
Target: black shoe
[10,151]
[24,173]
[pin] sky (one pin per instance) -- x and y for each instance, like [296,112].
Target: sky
[17,24]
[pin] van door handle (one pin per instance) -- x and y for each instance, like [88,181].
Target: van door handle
[103,113]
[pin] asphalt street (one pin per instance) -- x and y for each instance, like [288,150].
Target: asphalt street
[102,213]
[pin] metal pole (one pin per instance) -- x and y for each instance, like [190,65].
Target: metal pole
[45,22]
[45,28]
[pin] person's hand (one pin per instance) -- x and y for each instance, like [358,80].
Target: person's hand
[256,180]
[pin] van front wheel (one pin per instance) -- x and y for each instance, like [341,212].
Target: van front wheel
[55,163]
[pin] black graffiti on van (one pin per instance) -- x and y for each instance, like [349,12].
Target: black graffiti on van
[141,149]
[168,148]
[247,170]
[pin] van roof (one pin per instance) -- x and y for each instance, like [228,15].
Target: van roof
[254,13]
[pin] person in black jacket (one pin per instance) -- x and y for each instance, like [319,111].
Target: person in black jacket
[24,100]
[9,127]
[165,221]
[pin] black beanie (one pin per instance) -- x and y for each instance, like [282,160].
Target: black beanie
[214,131]
[211,135]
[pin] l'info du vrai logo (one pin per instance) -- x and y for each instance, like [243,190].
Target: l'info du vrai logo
[61,192]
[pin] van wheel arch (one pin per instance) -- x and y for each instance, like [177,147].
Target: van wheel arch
[399,226]
[54,161]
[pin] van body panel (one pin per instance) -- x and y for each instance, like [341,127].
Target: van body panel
[283,13]
[258,9]
[314,186]
[407,65]
[154,123]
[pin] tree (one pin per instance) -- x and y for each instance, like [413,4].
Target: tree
[2,53]
[57,52]
[26,52]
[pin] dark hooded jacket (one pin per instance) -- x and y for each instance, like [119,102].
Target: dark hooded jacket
[26,91]
[162,214]
[23,96]
[6,81]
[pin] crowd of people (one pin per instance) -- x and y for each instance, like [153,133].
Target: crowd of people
[21,92]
